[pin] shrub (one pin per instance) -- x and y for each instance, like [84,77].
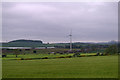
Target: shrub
[45,58]
[4,55]
[22,59]
[111,49]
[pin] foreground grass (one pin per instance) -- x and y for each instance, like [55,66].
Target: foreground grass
[81,67]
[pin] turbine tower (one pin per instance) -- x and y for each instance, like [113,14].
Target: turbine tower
[70,40]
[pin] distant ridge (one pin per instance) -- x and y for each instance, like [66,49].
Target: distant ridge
[23,43]
[23,40]
[39,43]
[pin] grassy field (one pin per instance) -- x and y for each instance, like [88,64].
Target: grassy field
[79,67]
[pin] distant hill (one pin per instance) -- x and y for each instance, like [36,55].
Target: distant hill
[23,43]
[112,42]
[109,43]
[26,41]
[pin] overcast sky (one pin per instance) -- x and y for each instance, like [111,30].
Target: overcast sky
[52,22]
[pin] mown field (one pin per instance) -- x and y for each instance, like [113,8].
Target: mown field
[76,67]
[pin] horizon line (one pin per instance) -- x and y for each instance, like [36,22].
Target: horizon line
[61,41]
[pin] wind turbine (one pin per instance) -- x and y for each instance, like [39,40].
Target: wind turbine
[70,40]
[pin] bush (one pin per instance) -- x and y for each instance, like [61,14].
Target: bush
[112,49]
[4,55]
[22,59]
[45,58]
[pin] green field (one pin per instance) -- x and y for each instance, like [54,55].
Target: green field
[76,67]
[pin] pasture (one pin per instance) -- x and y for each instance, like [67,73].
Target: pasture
[76,67]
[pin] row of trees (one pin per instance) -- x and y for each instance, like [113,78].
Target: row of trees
[108,49]
[112,49]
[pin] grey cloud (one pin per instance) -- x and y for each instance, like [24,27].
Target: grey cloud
[52,22]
